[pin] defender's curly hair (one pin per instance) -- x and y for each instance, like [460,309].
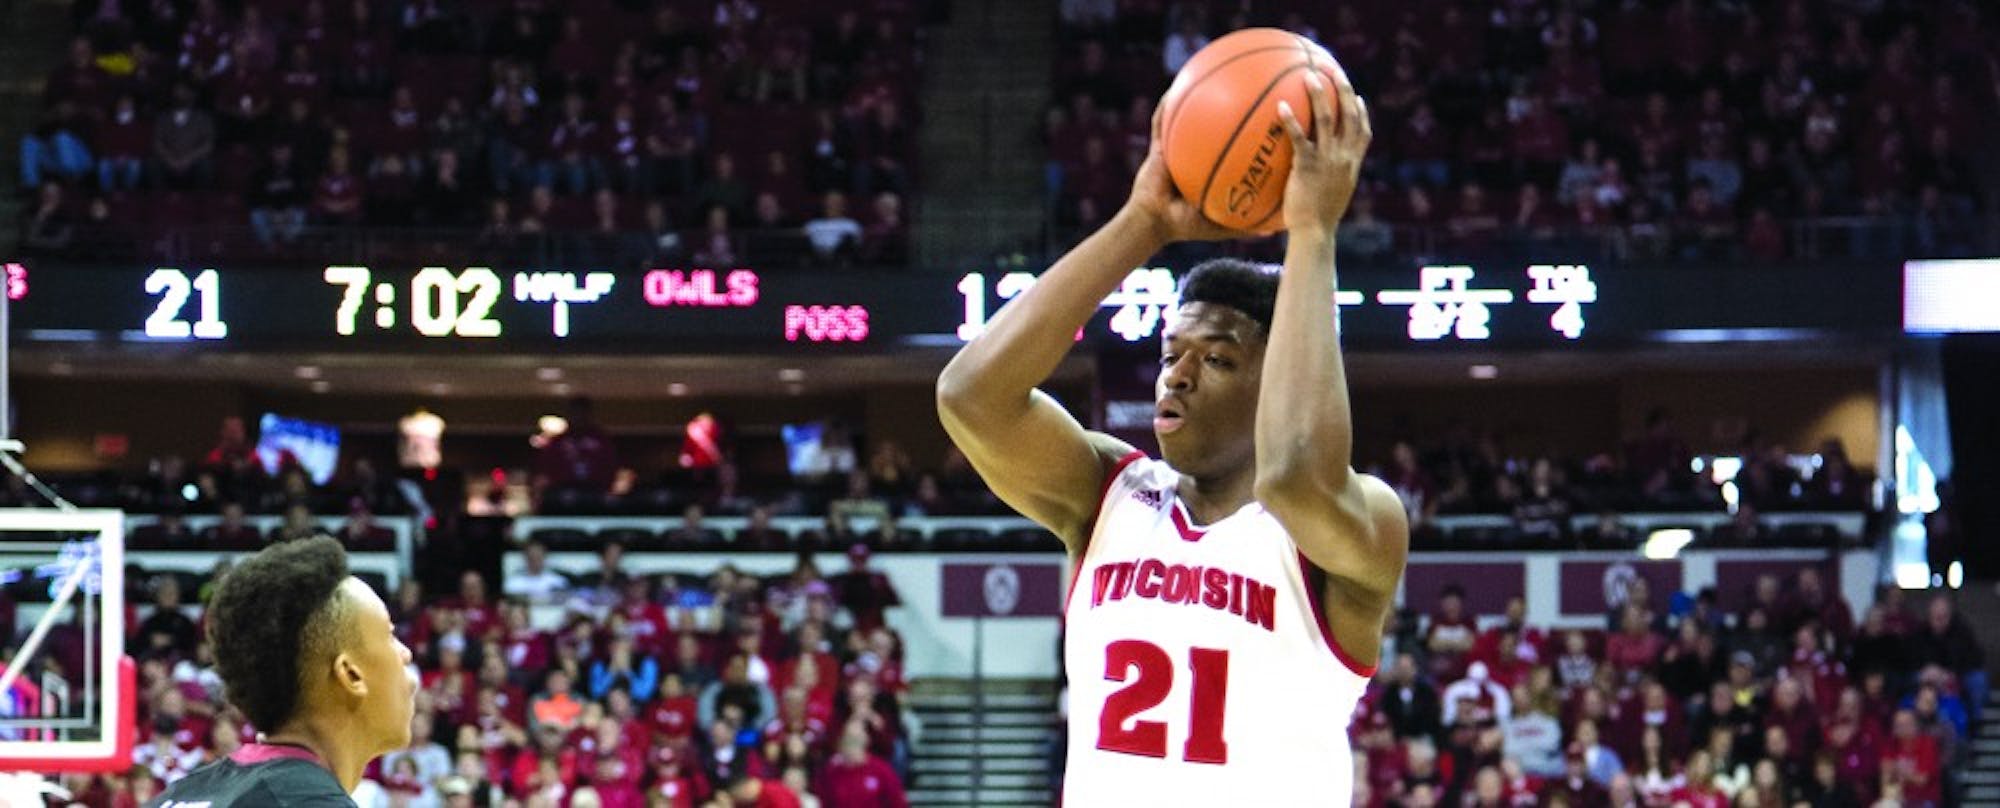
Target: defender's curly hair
[271,611]
[1241,285]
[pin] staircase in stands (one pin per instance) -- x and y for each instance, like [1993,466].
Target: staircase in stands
[1002,760]
[1981,786]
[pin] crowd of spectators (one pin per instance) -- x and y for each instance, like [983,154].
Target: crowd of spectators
[1649,129]
[868,496]
[668,690]
[1462,471]
[611,131]
[1674,701]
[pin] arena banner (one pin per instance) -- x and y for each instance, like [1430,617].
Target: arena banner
[1001,589]
[1597,587]
[1487,585]
[333,307]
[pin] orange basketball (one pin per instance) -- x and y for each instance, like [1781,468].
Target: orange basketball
[1219,125]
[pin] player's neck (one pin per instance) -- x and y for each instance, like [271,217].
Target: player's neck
[1212,499]
[323,738]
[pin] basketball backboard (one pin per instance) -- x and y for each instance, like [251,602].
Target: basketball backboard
[67,690]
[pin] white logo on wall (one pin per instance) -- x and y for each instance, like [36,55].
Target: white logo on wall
[1003,589]
[1618,580]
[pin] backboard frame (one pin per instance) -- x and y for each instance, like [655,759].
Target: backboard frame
[117,697]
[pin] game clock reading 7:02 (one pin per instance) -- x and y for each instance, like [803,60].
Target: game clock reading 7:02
[441,303]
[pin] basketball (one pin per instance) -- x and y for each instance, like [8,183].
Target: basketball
[1225,146]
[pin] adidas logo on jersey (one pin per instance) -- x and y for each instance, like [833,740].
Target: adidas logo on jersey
[1153,499]
[1213,587]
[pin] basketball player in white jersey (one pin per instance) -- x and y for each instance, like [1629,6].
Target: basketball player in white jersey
[1228,601]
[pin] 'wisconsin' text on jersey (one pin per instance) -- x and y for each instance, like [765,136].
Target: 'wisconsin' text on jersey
[1213,587]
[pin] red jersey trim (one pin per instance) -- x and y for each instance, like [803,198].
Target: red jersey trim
[1117,470]
[1185,523]
[1318,602]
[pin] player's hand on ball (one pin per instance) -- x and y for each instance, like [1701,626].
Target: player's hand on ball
[1326,165]
[1155,198]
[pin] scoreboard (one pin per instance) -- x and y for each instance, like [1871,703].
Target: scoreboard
[669,310]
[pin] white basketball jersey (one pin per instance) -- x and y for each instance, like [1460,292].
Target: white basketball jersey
[1200,669]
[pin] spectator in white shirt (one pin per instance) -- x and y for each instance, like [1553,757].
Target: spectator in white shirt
[433,762]
[835,236]
[1534,737]
[535,582]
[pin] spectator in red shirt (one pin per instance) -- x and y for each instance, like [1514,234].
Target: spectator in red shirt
[1577,788]
[645,620]
[1856,753]
[1790,710]
[338,194]
[750,791]
[1540,139]
[1635,647]
[856,779]
[1911,760]
[480,614]
[794,720]
[673,714]
[673,783]
[1700,790]
[1533,641]
[122,141]
[864,592]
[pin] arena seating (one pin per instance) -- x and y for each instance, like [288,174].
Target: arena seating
[1808,130]
[1791,700]
[689,712]
[432,131]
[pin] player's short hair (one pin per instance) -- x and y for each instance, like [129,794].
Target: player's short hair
[273,610]
[1241,285]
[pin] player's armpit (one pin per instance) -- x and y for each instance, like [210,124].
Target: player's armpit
[1360,536]
[1037,459]
[1363,561]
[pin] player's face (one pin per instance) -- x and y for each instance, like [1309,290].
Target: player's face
[1211,363]
[384,661]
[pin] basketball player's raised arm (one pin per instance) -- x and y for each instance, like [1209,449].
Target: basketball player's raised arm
[1030,451]
[1348,524]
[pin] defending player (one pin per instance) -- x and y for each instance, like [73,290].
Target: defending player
[1226,611]
[308,653]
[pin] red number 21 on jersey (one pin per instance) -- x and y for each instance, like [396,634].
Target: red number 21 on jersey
[1149,685]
